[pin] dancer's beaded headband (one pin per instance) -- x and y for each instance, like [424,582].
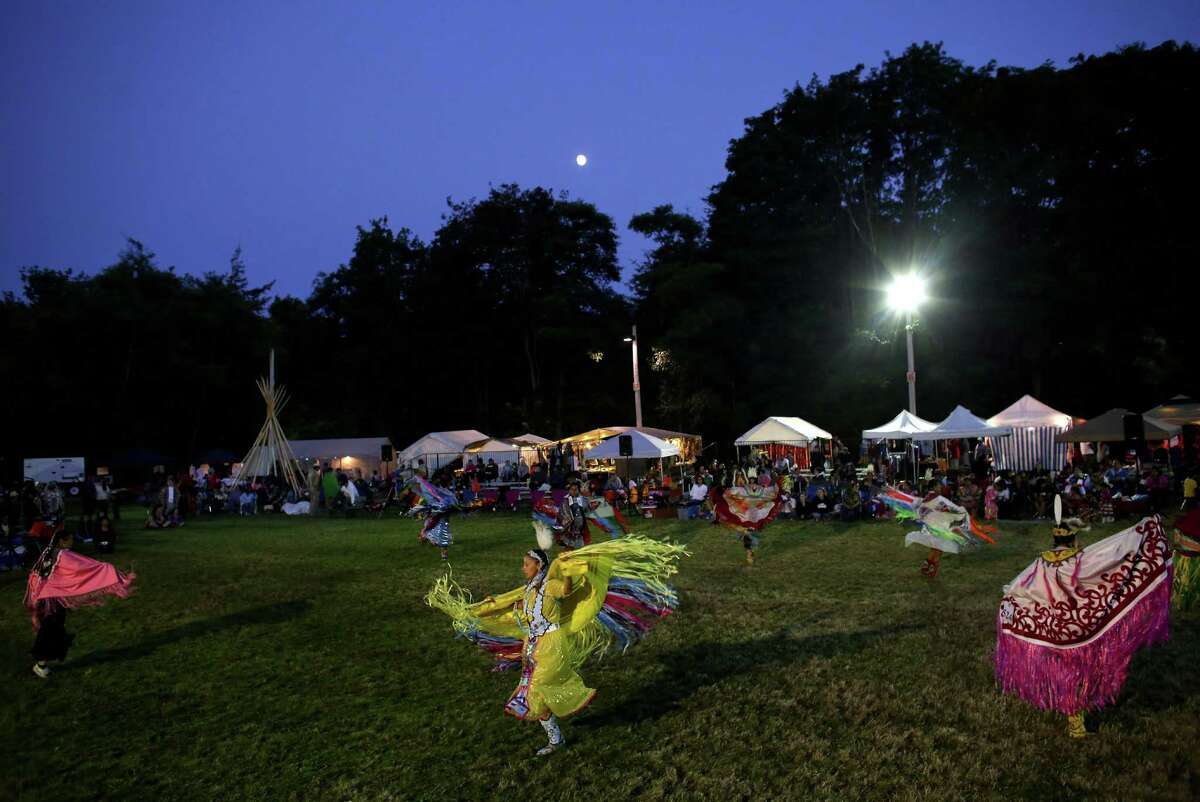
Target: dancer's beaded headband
[533,553]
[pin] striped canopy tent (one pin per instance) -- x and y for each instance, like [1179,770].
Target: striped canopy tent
[1032,445]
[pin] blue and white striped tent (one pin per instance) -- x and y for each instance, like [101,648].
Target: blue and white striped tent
[1032,443]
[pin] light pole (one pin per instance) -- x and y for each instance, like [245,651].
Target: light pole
[906,294]
[637,387]
[912,368]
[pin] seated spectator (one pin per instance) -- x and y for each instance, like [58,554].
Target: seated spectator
[156,517]
[106,534]
[821,507]
[851,502]
[697,496]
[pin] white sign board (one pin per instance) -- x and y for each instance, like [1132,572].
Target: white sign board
[55,469]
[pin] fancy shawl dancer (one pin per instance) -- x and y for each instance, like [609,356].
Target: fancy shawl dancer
[944,526]
[1070,623]
[1186,560]
[437,504]
[62,580]
[589,601]
[603,516]
[747,508]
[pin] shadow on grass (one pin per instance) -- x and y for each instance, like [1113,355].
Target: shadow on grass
[266,614]
[688,670]
[1162,677]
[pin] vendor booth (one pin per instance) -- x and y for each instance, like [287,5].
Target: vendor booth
[1032,444]
[689,445]
[905,426]
[778,436]
[1110,428]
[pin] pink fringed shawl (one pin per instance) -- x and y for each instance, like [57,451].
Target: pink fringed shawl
[75,581]
[1067,628]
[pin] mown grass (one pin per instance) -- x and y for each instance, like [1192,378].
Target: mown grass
[280,659]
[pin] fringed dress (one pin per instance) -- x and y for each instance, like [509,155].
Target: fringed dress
[1070,623]
[598,598]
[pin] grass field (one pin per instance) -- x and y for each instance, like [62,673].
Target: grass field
[279,659]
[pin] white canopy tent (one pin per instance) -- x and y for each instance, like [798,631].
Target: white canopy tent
[902,427]
[784,430]
[645,446]
[438,449]
[502,449]
[785,434]
[1032,444]
[961,423]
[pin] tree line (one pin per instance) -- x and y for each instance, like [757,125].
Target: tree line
[1050,209]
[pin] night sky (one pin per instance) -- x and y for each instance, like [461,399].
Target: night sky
[280,126]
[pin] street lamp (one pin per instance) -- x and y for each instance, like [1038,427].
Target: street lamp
[905,294]
[637,387]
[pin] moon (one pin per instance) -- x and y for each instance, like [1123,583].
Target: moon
[581,160]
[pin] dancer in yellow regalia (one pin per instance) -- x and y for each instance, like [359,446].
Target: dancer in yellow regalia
[586,602]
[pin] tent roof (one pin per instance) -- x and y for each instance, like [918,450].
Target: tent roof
[451,442]
[778,429]
[1180,410]
[489,444]
[645,446]
[1028,411]
[1110,428]
[608,431]
[901,427]
[961,423]
[528,439]
[363,447]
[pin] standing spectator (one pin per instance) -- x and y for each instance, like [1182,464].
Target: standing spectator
[51,503]
[696,497]
[314,488]
[169,497]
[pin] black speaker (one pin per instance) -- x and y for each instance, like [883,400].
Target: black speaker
[385,452]
[1135,433]
[625,445]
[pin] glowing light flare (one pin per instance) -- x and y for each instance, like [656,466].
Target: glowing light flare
[906,292]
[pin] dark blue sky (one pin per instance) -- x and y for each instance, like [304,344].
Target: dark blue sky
[279,126]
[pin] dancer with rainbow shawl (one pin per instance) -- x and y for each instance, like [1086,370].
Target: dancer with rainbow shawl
[62,580]
[1070,623]
[746,509]
[944,526]
[588,601]
[1186,588]
[603,516]
[437,504]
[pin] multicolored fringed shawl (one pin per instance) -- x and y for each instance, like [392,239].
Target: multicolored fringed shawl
[944,525]
[745,511]
[1070,623]
[620,594]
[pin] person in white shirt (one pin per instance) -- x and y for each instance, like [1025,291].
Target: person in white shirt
[696,497]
